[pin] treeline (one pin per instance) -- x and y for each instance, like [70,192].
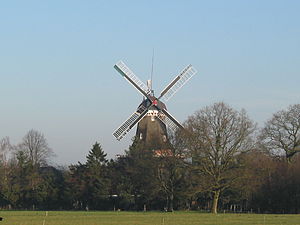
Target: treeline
[221,161]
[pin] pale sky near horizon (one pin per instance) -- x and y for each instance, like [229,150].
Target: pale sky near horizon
[57,58]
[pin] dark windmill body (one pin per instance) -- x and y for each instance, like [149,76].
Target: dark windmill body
[151,131]
[152,116]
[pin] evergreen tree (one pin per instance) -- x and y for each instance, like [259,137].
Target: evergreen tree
[141,168]
[96,157]
[97,177]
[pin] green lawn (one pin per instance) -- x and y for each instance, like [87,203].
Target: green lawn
[140,218]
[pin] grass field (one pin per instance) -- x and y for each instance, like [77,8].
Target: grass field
[140,218]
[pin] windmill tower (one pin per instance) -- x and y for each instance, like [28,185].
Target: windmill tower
[151,115]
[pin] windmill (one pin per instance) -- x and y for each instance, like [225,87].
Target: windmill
[151,115]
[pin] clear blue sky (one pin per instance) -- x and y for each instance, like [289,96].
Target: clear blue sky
[57,57]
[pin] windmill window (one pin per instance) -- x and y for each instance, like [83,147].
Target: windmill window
[141,136]
[164,138]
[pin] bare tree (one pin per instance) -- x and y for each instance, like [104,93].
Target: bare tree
[5,147]
[36,148]
[281,134]
[216,135]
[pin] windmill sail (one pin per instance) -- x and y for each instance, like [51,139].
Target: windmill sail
[132,78]
[169,120]
[130,122]
[178,82]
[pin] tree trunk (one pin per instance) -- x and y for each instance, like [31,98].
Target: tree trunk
[215,202]
[171,203]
